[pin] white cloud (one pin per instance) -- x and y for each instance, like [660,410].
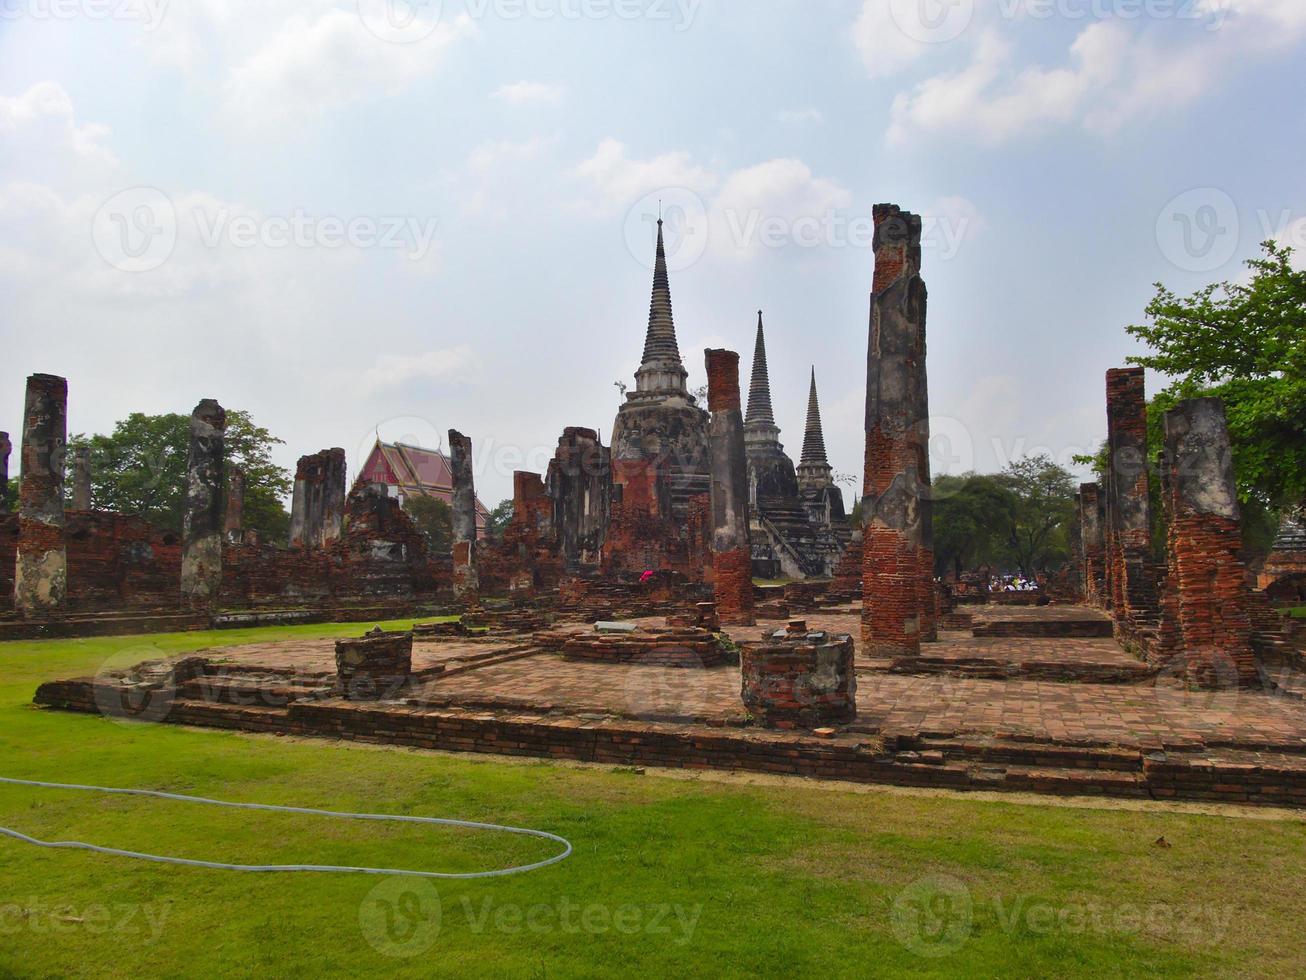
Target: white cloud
[312,64]
[620,180]
[1115,72]
[392,370]
[530,93]
[492,182]
[797,116]
[41,139]
[885,48]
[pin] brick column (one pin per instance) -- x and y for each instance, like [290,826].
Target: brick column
[335,475]
[201,555]
[41,571]
[1205,538]
[893,537]
[6,447]
[732,553]
[466,583]
[1129,514]
[234,524]
[318,508]
[929,600]
[1093,542]
[82,478]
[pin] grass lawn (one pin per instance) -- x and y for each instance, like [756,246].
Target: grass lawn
[671,876]
[1298,613]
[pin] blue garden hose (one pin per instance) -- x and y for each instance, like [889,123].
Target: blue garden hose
[220,866]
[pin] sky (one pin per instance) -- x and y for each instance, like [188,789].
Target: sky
[352,217]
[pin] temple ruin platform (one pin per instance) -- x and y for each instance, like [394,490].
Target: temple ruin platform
[1037,725]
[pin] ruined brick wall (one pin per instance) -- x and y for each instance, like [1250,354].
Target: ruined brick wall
[115,561]
[527,560]
[8,556]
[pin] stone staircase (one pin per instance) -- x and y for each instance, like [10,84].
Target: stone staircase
[814,549]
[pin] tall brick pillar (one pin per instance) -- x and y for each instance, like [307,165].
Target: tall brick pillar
[41,571]
[6,447]
[318,507]
[82,478]
[234,524]
[732,553]
[1205,537]
[201,533]
[335,476]
[1130,568]
[1092,520]
[466,584]
[894,540]
[929,598]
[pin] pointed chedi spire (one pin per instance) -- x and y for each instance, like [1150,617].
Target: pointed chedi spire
[662,368]
[759,389]
[814,469]
[813,437]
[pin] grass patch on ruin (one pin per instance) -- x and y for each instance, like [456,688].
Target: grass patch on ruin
[670,876]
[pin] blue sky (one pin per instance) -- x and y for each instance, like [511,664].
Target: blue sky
[348,217]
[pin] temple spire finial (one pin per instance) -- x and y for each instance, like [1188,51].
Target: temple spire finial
[759,388]
[814,454]
[661,369]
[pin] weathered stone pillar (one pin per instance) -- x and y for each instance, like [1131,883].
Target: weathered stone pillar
[893,536]
[465,581]
[1205,537]
[234,525]
[929,599]
[317,508]
[82,478]
[201,534]
[732,553]
[6,447]
[335,475]
[1129,513]
[41,571]
[1093,542]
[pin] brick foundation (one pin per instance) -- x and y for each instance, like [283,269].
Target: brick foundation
[799,681]
[375,667]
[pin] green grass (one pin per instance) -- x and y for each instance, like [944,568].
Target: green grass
[670,876]
[1298,613]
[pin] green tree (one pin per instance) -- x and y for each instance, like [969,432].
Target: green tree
[1041,509]
[499,520]
[434,518]
[1245,343]
[971,521]
[140,468]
